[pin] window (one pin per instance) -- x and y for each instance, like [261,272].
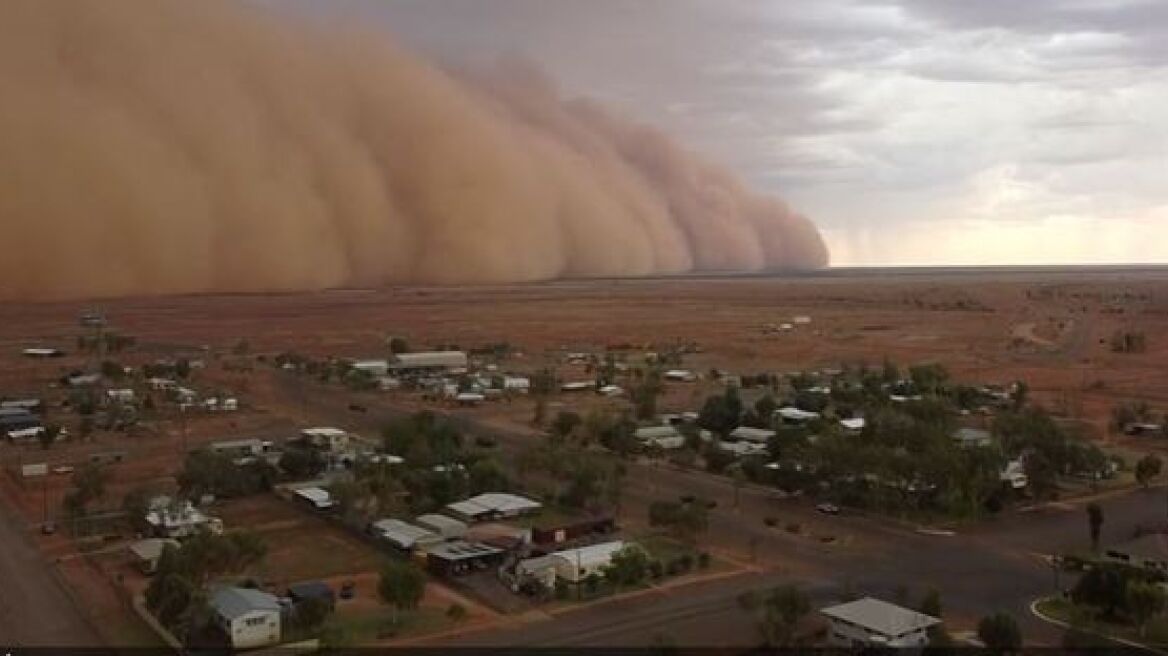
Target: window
[255,621]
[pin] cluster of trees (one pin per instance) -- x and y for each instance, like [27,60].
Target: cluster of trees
[577,477]
[108,341]
[88,486]
[906,458]
[778,613]
[177,593]
[1120,593]
[206,472]
[685,520]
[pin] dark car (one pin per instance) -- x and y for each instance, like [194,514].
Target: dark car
[348,589]
[356,407]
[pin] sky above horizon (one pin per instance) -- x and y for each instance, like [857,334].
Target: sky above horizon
[910,131]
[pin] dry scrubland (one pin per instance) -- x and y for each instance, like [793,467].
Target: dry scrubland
[1053,330]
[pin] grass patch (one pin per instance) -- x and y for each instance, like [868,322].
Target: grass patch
[1156,632]
[361,628]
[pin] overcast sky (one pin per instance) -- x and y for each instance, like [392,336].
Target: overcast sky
[910,131]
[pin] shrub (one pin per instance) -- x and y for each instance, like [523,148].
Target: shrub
[771,521]
[704,559]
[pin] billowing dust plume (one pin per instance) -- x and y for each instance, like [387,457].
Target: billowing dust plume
[161,146]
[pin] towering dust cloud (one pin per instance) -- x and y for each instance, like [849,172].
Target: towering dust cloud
[165,146]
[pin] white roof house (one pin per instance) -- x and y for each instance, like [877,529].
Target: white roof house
[326,437]
[516,383]
[317,497]
[372,367]
[403,535]
[125,395]
[742,449]
[611,390]
[972,437]
[665,437]
[447,527]
[749,434]
[578,386]
[1014,473]
[791,414]
[469,398]
[871,622]
[181,519]
[432,360]
[682,375]
[853,425]
[494,504]
[250,618]
[575,565]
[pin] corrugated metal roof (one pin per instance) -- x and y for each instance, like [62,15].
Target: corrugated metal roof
[232,603]
[880,617]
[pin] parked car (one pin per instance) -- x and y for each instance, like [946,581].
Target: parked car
[828,508]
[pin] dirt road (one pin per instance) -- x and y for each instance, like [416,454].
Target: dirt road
[35,610]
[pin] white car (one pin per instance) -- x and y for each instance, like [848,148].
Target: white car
[828,508]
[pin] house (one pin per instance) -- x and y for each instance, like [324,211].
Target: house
[663,437]
[31,406]
[27,434]
[447,527]
[326,439]
[972,437]
[794,416]
[610,390]
[904,398]
[301,592]
[428,362]
[493,505]
[40,353]
[575,565]
[16,423]
[242,450]
[161,384]
[146,553]
[871,622]
[120,395]
[749,434]
[853,426]
[1148,551]
[83,380]
[743,449]
[250,618]
[578,386]
[459,557]
[573,529]
[517,384]
[316,498]
[1014,474]
[1143,428]
[469,398]
[178,519]
[375,368]
[680,375]
[403,535]
[541,569]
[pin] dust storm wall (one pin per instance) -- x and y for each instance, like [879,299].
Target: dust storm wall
[169,146]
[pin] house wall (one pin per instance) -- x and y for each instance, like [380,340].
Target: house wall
[844,634]
[255,629]
[566,568]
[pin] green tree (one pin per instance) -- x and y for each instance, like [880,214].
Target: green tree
[312,612]
[88,486]
[456,612]
[487,475]
[721,413]
[564,424]
[1148,468]
[931,603]
[401,586]
[999,632]
[782,609]
[683,520]
[1094,523]
[628,567]
[1144,601]
[398,345]
[48,435]
[1102,587]
[301,462]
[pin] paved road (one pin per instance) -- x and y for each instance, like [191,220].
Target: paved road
[34,608]
[993,566]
